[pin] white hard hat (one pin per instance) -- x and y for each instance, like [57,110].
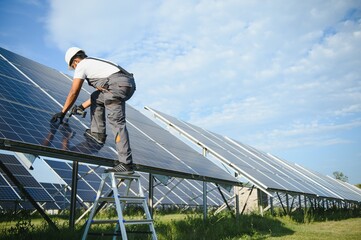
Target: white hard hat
[71,53]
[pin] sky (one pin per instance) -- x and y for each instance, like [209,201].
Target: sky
[281,76]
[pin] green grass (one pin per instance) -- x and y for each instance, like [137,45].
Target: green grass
[326,225]
[344,229]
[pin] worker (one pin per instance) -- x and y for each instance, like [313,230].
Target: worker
[114,86]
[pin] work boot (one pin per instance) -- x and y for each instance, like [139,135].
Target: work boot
[121,168]
[98,137]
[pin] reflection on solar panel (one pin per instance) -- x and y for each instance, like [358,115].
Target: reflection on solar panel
[10,192]
[88,180]
[264,170]
[31,93]
[60,193]
[176,191]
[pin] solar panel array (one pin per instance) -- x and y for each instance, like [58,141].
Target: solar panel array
[31,93]
[9,192]
[176,191]
[263,170]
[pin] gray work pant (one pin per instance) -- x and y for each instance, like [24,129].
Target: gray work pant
[113,100]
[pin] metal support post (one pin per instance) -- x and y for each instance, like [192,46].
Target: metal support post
[74,186]
[150,197]
[288,204]
[204,201]
[236,194]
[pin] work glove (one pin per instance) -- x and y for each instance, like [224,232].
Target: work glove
[78,110]
[58,117]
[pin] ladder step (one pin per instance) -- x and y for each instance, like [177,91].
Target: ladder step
[127,199]
[142,221]
[125,176]
[103,234]
[129,222]
[104,221]
[118,233]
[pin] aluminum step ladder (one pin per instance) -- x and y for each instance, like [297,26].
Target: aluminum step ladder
[120,199]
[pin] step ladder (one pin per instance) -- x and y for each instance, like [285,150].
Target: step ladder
[120,199]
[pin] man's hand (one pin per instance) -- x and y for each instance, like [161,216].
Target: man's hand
[78,110]
[58,117]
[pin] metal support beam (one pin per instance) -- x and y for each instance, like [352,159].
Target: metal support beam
[245,204]
[279,198]
[27,195]
[151,193]
[260,201]
[74,187]
[271,203]
[236,193]
[204,201]
[224,199]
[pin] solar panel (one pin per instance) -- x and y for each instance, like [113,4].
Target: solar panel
[64,170]
[36,191]
[177,191]
[7,192]
[60,193]
[32,92]
[336,187]
[284,170]
[264,170]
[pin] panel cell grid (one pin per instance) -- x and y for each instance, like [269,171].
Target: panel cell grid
[37,192]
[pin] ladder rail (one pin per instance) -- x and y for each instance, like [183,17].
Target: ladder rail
[119,208]
[93,211]
[120,200]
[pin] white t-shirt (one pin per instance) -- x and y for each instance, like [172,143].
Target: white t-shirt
[91,68]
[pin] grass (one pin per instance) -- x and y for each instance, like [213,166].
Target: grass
[344,229]
[321,225]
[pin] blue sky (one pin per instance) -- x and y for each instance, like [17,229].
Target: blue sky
[282,76]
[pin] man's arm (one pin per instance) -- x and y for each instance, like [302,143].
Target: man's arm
[86,104]
[73,94]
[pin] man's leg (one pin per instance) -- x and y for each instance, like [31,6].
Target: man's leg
[97,111]
[116,117]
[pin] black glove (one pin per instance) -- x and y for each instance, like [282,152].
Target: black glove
[78,110]
[58,116]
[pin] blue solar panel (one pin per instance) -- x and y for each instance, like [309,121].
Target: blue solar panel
[36,191]
[60,194]
[262,169]
[7,193]
[28,101]
[84,190]
[186,193]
